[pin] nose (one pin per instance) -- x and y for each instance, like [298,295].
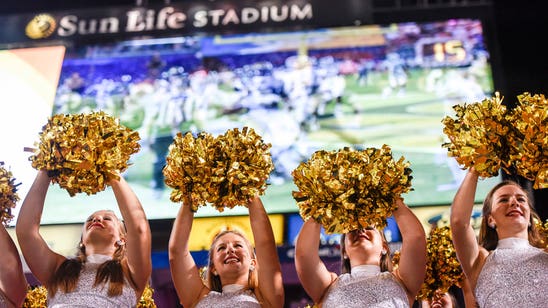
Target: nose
[514,201]
[96,219]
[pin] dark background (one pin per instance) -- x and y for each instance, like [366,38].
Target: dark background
[520,29]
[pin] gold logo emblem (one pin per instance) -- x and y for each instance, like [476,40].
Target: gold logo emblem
[41,26]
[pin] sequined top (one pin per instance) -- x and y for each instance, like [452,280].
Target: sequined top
[85,295]
[232,296]
[366,289]
[3,300]
[515,274]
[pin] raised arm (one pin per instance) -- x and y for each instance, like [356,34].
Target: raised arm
[466,245]
[138,241]
[184,272]
[314,276]
[412,266]
[42,261]
[12,279]
[270,271]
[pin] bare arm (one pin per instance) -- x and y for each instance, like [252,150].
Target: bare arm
[468,250]
[12,279]
[313,274]
[412,265]
[270,271]
[138,241]
[42,261]
[184,272]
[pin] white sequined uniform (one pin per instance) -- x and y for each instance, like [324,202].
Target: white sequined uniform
[232,296]
[3,300]
[515,274]
[364,289]
[86,295]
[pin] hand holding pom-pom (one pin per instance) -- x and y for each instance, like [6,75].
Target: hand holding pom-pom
[188,169]
[244,167]
[443,269]
[477,135]
[225,171]
[8,194]
[83,152]
[348,189]
[528,139]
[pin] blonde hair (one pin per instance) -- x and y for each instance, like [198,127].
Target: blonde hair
[488,237]
[214,281]
[66,276]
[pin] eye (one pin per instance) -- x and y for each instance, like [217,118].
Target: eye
[369,228]
[503,200]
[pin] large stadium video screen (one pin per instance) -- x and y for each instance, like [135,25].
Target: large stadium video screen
[302,91]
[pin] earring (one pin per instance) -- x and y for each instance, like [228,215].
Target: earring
[493,226]
[383,252]
[120,243]
[251,268]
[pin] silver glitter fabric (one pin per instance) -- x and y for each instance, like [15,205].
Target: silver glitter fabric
[86,295]
[240,299]
[363,290]
[3,300]
[514,277]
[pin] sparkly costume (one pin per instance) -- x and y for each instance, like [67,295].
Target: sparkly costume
[366,286]
[515,274]
[85,295]
[3,300]
[232,296]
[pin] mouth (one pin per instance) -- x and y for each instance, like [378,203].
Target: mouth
[95,225]
[231,260]
[514,213]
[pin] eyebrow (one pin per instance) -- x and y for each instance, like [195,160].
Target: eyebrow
[508,195]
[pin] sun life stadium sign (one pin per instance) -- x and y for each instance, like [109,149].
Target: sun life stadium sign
[137,20]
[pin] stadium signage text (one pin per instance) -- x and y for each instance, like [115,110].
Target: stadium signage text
[170,18]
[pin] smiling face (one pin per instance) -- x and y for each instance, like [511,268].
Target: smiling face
[102,227]
[230,259]
[231,256]
[510,209]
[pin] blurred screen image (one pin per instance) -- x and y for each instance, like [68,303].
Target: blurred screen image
[302,91]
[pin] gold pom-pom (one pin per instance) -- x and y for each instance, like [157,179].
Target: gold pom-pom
[188,170]
[348,189]
[224,171]
[37,297]
[477,135]
[528,139]
[243,168]
[543,231]
[396,259]
[8,194]
[146,300]
[443,269]
[83,152]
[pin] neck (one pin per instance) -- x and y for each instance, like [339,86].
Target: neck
[232,280]
[523,234]
[100,250]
